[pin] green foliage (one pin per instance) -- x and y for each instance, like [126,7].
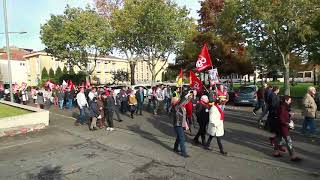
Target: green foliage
[281,26]
[51,73]
[71,71]
[76,35]
[120,76]
[65,71]
[58,73]
[75,78]
[44,74]
[150,29]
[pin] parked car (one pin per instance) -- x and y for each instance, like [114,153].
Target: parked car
[246,95]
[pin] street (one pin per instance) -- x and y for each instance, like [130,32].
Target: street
[141,148]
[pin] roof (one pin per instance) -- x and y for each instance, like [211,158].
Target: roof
[15,53]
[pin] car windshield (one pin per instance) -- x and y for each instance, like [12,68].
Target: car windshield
[246,89]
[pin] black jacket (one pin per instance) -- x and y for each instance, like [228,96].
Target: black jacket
[202,113]
[109,104]
[138,96]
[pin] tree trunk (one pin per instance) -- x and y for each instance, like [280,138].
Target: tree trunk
[314,76]
[286,78]
[132,72]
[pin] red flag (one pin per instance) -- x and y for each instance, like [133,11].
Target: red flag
[195,82]
[204,59]
[70,85]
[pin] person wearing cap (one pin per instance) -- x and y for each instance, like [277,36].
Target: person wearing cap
[202,113]
[215,126]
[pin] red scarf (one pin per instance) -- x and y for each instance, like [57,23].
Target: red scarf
[204,104]
[221,112]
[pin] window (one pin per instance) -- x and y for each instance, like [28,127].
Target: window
[307,74]
[105,67]
[300,75]
[98,67]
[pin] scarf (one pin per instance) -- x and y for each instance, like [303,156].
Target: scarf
[221,112]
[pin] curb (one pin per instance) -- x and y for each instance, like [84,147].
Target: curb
[21,130]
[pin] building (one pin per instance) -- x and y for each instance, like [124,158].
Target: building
[104,71]
[18,65]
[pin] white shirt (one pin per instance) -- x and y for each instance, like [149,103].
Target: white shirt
[91,95]
[81,100]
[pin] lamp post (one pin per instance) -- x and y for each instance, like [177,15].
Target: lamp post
[7,45]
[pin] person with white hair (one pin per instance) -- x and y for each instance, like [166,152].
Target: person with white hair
[309,111]
[202,113]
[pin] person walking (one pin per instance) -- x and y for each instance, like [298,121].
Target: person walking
[101,121]
[94,114]
[140,100]
[132,100]
[82,104]
[222,96]
[202,112]
[282,130]
[273,105]
[55,97]
[159,97]
[69,98]
[109,108]
[61,96]
[179,122]
[260,99]
[215,126]
[309,112]
[24,96]
[40,100]
[123,100]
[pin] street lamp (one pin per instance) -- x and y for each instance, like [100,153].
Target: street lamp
[7,44]
[22,32]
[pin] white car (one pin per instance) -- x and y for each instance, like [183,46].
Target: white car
[136,87]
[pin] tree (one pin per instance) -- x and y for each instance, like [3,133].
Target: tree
[65,70]
[107,7]
[120,76]
[77,37]
[283,25]
[51,73]
[44,74]
[163,27]
[58,73]
[71,71]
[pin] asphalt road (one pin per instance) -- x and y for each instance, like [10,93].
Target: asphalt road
[141,148]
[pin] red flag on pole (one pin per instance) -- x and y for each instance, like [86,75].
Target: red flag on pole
[204,59]
[195,82]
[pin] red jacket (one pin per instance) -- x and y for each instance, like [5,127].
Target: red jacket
[189,107]
[284,119]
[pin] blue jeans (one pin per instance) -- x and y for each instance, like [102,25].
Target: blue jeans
[82,116]
[167,103]
[61,104]
[180,140]
[69,103]
[308,122]
[139,107]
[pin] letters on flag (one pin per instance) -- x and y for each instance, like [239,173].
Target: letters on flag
[195,82]
[204,59]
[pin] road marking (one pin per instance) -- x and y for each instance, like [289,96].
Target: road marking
[21,144]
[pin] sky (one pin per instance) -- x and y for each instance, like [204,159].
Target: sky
[28,15]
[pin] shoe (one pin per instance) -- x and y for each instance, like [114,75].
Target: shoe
[111,129]
[254,113]
[296,159]
[120,120]
[207,148]
[77,124]
[176,150]
[196,141]
[282,149]
[185,155]
[224,153]
[107,129]
[276,155]
[140,114]
[90,129]
[95,128]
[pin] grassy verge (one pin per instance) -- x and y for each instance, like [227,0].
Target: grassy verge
[7,111]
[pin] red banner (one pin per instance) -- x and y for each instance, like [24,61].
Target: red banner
[204,59]
[195,82]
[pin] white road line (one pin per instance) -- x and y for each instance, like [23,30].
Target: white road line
[21,144]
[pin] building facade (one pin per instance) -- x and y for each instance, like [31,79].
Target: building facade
[103,73]
[18,65]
